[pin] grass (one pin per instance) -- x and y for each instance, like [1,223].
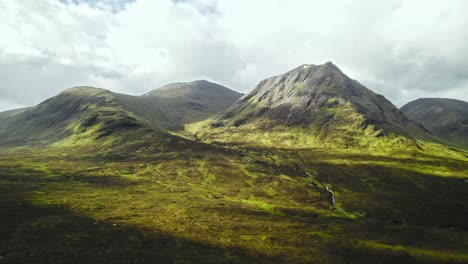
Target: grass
[429,254]
[237,205]
[262,205]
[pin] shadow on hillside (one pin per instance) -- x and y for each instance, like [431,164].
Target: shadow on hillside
[351,241]
[311,155]
[398,195]
[53,234]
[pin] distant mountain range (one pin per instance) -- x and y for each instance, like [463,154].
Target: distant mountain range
[312,105]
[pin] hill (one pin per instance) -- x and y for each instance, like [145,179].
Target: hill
[446,118]
[313,105]
[173,105]
[98,117]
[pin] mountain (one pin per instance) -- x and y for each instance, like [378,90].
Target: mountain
[80,114]
[311,104]
[446,118]
[174,105]
[211,95]
[76,114]
[12,112]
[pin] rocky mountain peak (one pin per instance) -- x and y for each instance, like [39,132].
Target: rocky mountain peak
[305,86]
[319,98]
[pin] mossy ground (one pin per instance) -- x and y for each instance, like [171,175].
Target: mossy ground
[240,204]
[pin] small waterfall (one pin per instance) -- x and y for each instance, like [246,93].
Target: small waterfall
[324,184]
[331,193]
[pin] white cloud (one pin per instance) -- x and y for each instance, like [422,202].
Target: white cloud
[402,49]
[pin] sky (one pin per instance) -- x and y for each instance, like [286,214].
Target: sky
[402,49]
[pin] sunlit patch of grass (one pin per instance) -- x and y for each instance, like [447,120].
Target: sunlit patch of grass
[320,234]
[435,170]
[262,205]
[204,172]
[422,253]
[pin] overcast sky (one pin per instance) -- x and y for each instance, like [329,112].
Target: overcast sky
[401,49]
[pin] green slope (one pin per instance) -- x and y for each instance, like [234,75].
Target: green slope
[203,204]
[8,113]
[75,111]
[84,121]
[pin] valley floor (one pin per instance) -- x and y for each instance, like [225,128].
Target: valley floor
[220,205]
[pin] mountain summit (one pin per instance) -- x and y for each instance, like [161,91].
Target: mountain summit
[200,89]
[314,103]
[173,105]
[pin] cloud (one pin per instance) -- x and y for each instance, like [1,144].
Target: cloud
[109,5]
[205,7]
[392,47]
[401,49]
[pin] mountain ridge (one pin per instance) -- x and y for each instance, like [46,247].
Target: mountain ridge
[82,113]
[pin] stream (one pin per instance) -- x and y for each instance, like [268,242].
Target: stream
[332,195]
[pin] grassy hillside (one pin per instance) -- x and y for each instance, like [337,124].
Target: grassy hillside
[6,114]
[82,117]
[208,204]
[73,114]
